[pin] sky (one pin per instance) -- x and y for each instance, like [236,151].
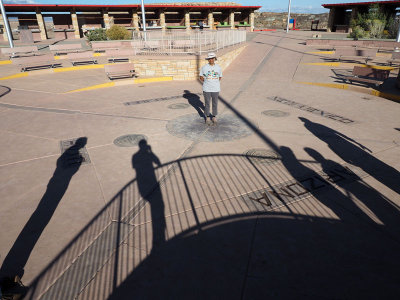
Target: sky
[297,6]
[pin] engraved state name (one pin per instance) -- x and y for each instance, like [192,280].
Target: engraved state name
[294,190]
[312,110]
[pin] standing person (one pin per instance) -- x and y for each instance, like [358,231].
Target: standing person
[210,76]
[201,25]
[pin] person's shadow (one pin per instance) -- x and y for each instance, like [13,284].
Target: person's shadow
[194,100]
[372,199]
[149,189]
[356,154]
[323,190]
[67,165]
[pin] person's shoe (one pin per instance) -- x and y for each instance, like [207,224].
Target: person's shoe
[12,289]
[214,120]
[208,121]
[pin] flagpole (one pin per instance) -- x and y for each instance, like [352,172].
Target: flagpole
[9,35]
[144,21]
[288,17]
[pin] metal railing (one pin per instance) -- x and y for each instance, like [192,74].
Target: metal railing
[183,43]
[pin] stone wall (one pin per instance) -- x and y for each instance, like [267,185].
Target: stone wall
[181,68]
[271,20]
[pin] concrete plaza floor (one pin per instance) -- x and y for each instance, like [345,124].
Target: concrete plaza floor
[295,193]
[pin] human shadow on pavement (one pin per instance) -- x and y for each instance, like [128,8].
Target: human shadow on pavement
[67,166]
[194,100]
[149,189]
[335,200]
[379,207]
[355,153]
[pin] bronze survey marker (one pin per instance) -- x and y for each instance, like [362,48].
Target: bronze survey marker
[72,155]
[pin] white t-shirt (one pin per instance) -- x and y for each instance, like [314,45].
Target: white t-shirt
[211,75]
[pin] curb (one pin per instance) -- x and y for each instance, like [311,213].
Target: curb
[121,83]
[363,90]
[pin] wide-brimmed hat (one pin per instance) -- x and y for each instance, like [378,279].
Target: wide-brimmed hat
[211,55]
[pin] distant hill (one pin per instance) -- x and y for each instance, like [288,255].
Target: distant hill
[200,3]
[272,20]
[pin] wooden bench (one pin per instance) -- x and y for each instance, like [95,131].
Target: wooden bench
[368,75]
[65,48]
[115,55]
[354,52]
[395,58]
[20,51]
[314,25]
[35,62]
[82,58]
[119,70]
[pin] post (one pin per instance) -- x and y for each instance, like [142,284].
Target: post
[187,20]
[6,25]
[252,21]
[42,27]
[288,17]
[353,16]
[135,20]
[74,19]
[162,20]
[5,37]
[396,49]
[232,19]
[106,19]
[144,21]
[210,20]
[331,19]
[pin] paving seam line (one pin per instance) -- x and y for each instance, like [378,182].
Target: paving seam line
[71,112]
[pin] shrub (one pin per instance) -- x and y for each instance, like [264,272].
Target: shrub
[369,25]
[358,32]
[118,33]
[99,34]
[376,28]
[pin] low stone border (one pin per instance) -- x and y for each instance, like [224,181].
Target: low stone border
[182,68]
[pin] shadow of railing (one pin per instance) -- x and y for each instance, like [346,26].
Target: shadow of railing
[197,192]
[85,255]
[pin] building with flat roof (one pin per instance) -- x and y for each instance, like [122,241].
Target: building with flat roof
[72,21]
[341,14]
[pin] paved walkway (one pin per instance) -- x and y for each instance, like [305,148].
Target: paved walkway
[294,194]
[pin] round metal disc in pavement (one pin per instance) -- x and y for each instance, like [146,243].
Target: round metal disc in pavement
[192,127]
[262,156]
[275,113]
[178,106]
[129,140]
